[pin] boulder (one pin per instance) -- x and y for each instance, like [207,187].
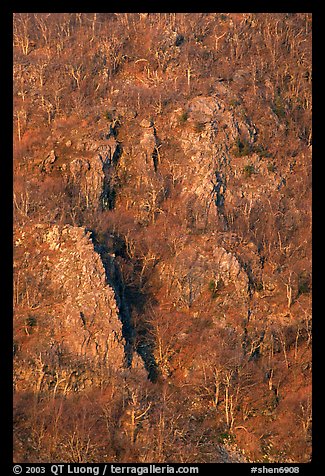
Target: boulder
[48,162]
[146,123]
[202,109]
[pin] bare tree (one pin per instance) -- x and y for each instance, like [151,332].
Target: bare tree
[21,30]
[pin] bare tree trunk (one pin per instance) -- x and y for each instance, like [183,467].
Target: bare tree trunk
[227,405]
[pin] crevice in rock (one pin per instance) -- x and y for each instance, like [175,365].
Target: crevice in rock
[155,154]
[219,188]
[116,155]
[130,300]
[155,159]
[108,194]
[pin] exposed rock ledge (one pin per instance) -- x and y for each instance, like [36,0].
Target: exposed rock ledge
[74,306]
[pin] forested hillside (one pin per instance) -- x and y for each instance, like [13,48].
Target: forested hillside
[162,237]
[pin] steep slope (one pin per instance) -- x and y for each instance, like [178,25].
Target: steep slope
[163,236]
[65,310]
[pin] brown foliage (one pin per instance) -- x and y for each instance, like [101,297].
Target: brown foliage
[231,366]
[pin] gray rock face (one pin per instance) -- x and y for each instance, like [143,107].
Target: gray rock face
[47,164]
[214,172]
[202,109]
[79,167]
[149,144]
[146,123]
[193,270]
[83,313]
[89,173]
[229,270]
[89,176]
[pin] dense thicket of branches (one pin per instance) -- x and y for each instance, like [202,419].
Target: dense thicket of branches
[228,371]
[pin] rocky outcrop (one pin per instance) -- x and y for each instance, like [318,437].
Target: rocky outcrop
[146,123]
[47,164]
[228,269]
[149,143]
[207,141]
[90,308]
[201,263]
[202,109]
[87,177]
[91,173]
[70,305]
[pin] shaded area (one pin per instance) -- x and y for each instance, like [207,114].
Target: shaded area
[130,301]
[219,188]
[110,184]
